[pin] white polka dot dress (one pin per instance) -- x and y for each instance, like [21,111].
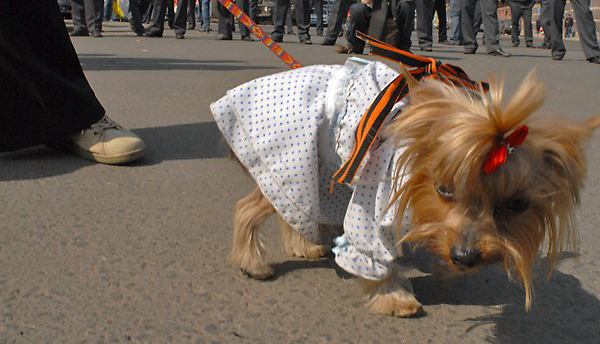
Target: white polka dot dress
[293,130]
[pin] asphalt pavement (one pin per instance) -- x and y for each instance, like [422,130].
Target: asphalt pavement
[91,253]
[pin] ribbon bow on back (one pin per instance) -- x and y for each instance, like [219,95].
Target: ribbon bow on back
[371,122]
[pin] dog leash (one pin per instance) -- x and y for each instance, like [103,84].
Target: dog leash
[373,119]
[260,34]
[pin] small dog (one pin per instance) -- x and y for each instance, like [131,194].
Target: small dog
[457,172]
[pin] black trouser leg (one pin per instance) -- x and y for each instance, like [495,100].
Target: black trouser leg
[527,26]
[170,14]
[546,22]
[47,95]
[406,22]
[135,7]
[318,6]
[468,24]
[180,22]
[586,28]
[225,21]
[87,14]
[191,14]
[516,14]
[557,10]
[160,10]
[424,22]
[280,12]
[440,8]
[337,13]
[360,15]
[489,16]
[244,5]
[303,18]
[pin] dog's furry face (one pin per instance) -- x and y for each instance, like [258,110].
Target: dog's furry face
[469,218]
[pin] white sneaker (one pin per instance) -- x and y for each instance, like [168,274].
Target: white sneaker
[107,142]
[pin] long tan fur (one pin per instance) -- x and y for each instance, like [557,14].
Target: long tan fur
[391,296]
[296,245]
[447,132]
[247,250]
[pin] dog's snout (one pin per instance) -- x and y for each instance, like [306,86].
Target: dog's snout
[465,257]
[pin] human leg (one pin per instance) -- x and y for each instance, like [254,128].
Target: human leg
[78,15]
[49,98]
[557,9]
[225,23]
[489,17]
[424,23]
[467,16]
[158,26]
[107,13]
[337,13]
[405,17]
[136,17]
[318,6]
[180,21]
[440,9]
[360,15]
[586,28]
[303,20]
[245,6]
[205,15]
[545,22]
[527,26]
[191,15]
[455,19]
[280,13]
[93,16]
[516,13]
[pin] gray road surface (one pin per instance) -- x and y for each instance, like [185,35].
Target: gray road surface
[91,253]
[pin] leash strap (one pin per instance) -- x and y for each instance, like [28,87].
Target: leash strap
[373,119]
[260,34]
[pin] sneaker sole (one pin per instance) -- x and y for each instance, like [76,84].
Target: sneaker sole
[109,159]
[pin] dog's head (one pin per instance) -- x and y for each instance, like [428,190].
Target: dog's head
[470,215]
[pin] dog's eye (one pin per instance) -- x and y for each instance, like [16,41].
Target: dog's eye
[513,207]
[445,192]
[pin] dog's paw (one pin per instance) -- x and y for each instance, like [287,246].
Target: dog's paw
[307,250]
[407,308]
[259,274]
[399,304]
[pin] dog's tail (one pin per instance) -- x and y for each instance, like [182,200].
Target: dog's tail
[593,122]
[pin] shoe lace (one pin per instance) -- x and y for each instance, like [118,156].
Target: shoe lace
[103,124]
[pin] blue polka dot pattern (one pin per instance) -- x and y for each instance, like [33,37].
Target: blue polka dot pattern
[293,130]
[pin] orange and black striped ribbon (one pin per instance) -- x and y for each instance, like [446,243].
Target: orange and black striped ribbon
[372,121]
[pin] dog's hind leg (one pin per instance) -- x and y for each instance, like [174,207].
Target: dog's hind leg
[298,246]
[391,296]
[248,251]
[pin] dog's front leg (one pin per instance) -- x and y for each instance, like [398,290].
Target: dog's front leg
[391,296]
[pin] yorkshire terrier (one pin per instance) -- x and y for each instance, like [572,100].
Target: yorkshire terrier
[473,180]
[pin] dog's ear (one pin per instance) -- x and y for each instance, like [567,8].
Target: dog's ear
[563,151]
[562,172]
[593,122]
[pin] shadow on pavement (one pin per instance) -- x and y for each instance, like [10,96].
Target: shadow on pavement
[38,162]
[562,311]
[93,62]
[182,142]
[177,142]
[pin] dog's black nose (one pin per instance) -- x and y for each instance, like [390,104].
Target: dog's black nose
[465,257]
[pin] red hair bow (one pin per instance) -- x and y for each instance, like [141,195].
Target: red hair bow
[498,154]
